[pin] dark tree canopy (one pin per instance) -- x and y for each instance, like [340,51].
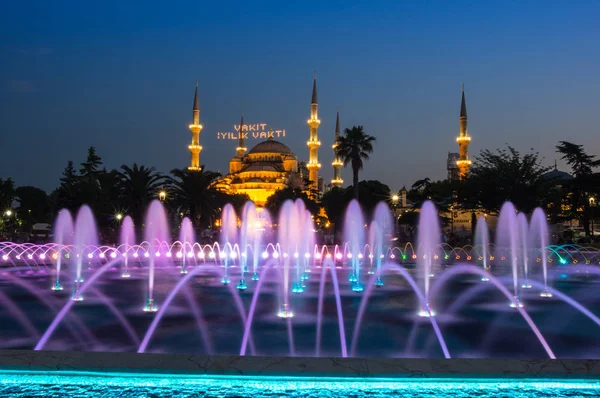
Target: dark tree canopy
[506,175]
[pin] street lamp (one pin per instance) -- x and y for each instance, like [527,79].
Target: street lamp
[119,216]
[162,195]
[395,198]
[8,213]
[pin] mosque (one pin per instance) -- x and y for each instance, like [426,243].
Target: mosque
[270,165]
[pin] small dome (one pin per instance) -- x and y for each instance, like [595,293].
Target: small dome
[557,175]
[271,146]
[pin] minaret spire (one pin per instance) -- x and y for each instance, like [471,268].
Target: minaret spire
[195,128]
[337,162]
[313,143]
[463,139]
[241,149]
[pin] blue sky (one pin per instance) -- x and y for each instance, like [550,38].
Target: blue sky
[120,76]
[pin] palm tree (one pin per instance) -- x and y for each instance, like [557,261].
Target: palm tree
[193,195]
[353,147]
[139,185]
[585,182]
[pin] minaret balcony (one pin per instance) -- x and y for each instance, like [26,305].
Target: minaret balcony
[464,138]
[311,143]
[194,168]
[195,148]
[337,163]
[313,165]
[463,162]
[338,181]
[314,122]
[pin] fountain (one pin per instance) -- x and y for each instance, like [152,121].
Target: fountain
[324,293]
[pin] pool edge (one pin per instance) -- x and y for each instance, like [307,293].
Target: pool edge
[228,365]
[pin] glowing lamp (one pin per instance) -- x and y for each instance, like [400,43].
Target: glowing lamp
[42,256]
[18,257]
[113,255]
[307,255]
[318,256]
[338,256]
[169,254]
[392,256]
[275,254]
[5,257]
[157,254]
[135,255]
[265,254]
[328,255]
[349,255]
[233,255]
[146,254]
[30,256]
[179,254]
[212,255]
[360,255]
[101,255]
[222,254]
[296,255]
[414,256]
[90,255]
[54,256]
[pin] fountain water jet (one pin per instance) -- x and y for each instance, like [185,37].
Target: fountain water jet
[482,238]
[354,236]
[428,242]
[507,235]
[63,235]
[187,238]
[85,236]
[127,239]
[156,232]
[229,235]
[538,235]
[524,253]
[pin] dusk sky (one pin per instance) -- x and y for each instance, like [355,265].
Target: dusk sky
[120,76]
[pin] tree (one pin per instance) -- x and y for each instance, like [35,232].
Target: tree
[335,202]
[7,194]
[584,185]
[193,195]
[506,175]
[353,147]
[139,185]
[91,167]
[34,206]
[67,196]
[275,201]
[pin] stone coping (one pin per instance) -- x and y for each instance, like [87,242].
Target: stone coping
[222,365]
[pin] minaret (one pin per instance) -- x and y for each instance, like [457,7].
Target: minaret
[337,162]
[241,149]
[463,140]
[313,143]
[195,128]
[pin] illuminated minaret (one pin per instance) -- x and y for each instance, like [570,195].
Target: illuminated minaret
[195,128]
[463,140]
[241,149]
[337,162]
[313,143]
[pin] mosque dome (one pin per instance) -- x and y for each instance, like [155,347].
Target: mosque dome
[270,146]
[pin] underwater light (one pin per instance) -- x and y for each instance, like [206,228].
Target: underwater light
[180,254]
[113,255]
[265,254]
[101,255]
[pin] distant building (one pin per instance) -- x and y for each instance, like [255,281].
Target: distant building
[452,167]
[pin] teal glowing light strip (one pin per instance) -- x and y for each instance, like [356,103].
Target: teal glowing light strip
[284,383]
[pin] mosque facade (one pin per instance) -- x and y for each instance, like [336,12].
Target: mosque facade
[270,165]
